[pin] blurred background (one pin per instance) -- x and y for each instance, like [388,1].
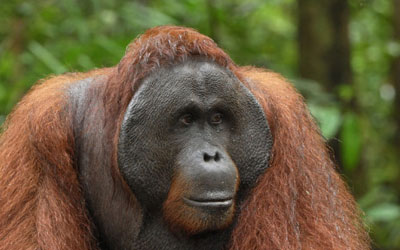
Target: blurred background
[343,56]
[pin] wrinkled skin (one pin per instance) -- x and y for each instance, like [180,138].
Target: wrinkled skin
[192,143]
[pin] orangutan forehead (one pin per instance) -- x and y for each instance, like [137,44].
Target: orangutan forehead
[197,73]
[200,69]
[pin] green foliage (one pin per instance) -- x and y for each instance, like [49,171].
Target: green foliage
[43,37]
[329,118]
[351,139]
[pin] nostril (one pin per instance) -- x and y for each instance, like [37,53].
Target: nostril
[217,157]
[206,157]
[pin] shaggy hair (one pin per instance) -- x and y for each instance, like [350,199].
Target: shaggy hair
[300,202]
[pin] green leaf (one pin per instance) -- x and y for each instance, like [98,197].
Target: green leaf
[47,58]
[351,141]
[384,212]
[328,118]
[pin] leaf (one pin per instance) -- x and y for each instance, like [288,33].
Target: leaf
[47,58]
[351,141]
[384,212]
[328,118]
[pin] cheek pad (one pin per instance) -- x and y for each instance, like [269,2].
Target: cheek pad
[146,156]
[251,142]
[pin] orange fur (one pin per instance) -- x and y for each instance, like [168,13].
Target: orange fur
[41,206]
[299,203]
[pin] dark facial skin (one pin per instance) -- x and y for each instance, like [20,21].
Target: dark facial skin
[193,142]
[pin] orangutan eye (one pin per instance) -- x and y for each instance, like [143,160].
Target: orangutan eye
[187,119]
[216,118]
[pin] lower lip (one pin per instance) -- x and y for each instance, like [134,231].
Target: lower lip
[209,203]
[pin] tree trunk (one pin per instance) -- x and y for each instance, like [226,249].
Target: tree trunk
[324,46]
[324,56]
